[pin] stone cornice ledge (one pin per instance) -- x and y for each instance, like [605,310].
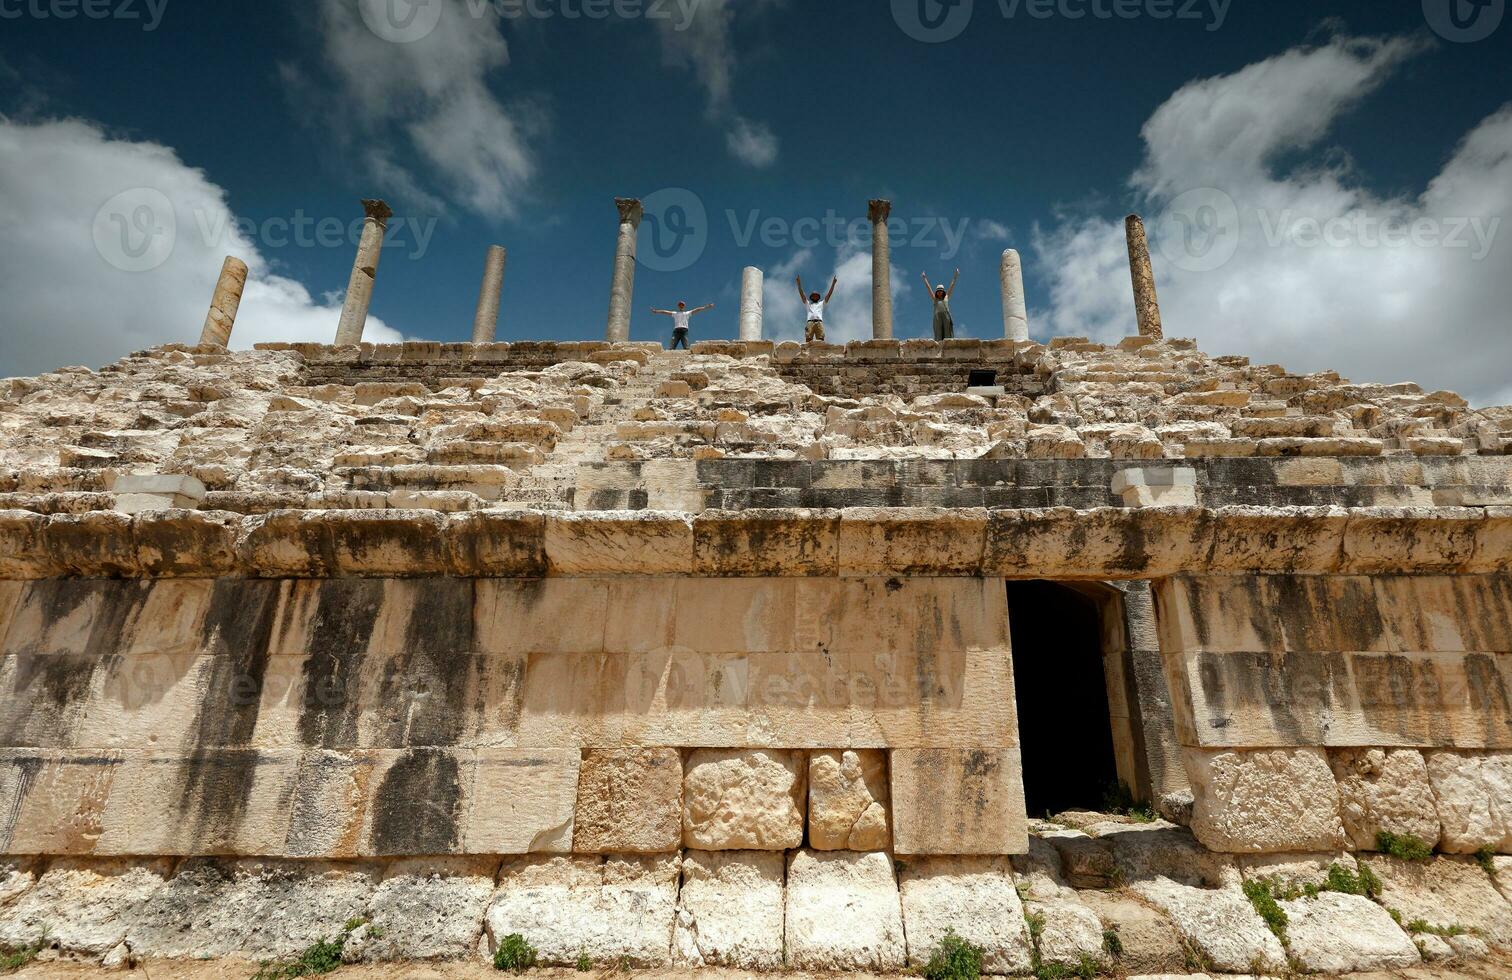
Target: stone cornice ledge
[1062,543]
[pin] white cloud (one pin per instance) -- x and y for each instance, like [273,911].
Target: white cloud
[1312,283]
[752,143]
[987,230]
[64,300]
[703,41]
[429,96]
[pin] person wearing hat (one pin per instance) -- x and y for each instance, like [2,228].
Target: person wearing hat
[944,323]
[680,318]
[816,306]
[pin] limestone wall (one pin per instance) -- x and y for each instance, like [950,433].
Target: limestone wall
[1317,711]
[376,717]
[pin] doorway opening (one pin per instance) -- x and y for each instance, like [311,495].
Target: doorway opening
[1065,726]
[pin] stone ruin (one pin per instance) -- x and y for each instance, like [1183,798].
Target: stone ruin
[761,655]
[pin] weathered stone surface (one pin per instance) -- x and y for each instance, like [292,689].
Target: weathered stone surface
[848,801]
[598,544]
[1473,793]
[1159,849]
[976,897]
[1336,933]
[1220,923]
[843,912]
[731,910]
[1267,800]
[1384,790]
[521,802]
[743,800]
[1149,943]
[1069,933]
[602,908]
[1446,891]
[429,909]
[82,907]
[957,801]
[629,802]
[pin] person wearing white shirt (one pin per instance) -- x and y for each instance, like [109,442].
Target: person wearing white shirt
[815,306]
[680,319]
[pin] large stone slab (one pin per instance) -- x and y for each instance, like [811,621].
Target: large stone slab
[1147,941]
[843,912]
[977,897]
[958,801]
[1384,790]
[629,801]
[429,909]
[1251,700]
[743,800]
[1335,933]
[1265,800]
[1220,923]
[1473,792]
[606,909]
[1445,892]
[83,907]
[848,801]
[731,910]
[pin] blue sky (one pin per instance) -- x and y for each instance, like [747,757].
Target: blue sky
[1021,130]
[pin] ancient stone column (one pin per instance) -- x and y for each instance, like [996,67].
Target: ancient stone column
[1146,303]
[882,320]
[622,290]
[486,322]
[1015,312]
[225,303]
[751,283]
[364,271]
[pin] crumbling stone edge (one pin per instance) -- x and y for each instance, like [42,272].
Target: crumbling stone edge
[1102,543]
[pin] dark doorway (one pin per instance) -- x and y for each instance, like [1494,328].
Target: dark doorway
[1065,733]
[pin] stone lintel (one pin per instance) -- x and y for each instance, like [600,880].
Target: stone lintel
[1099,543]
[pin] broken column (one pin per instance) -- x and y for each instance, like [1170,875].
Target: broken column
[364,271]
[486,322]
[1146,304]
[882,322]
[622,291]
[225,303]
[1015,312]
[751,284]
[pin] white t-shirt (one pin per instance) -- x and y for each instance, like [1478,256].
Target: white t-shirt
[816,311]
[680,319]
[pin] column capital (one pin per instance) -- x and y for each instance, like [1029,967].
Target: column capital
[878,210]
[630,209]
[377,210]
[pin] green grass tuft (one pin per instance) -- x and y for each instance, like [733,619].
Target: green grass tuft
[584,963]
[1486,858]
[318,959]
[1259,894]
[1112,943]
[514,954]
[1404,846]
[954,959]
[13,958]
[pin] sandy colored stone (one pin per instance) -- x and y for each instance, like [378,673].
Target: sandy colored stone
[1335,933]
[1444,891]
[1149,942]
[843,912]
[602,908]
[1384,790]
[848,801]
[743,800]
[1473,793]
[1069,932]
[1269,800]
[629,802]
[730,910]
[1219,922]
[83,907]
[522,802]
[429,909]
[1163,850]
[976,897]
[957,801]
